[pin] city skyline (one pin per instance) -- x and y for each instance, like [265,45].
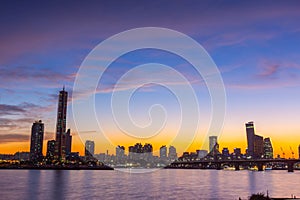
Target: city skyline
[256,52]
[37,134]
[59,149]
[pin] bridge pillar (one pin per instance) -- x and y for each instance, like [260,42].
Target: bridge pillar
[237,166]
[290,167]
[218,166]
[260,166]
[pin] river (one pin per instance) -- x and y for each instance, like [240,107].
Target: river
[160,184]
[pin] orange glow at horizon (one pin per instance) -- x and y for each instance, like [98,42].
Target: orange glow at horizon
[224,141]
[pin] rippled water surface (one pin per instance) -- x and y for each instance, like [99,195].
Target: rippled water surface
[160,184]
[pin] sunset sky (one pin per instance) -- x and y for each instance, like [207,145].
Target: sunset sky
[255,45]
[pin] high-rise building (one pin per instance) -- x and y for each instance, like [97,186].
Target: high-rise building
[258,146]
[250,138]
[255,142]
[60,148]
[163,152]
[172,153]
[50,149]
[213,140]
[89,148]
[299,151]
[268,149]
[36,142]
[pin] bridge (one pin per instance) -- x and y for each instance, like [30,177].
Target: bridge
[219,163]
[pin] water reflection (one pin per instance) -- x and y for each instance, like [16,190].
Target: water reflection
[161,184]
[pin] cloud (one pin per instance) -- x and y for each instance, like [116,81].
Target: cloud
[29,76]
[6,109]
[12,137]
[12,124]
[269,70]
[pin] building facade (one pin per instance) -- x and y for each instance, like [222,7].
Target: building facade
[36,142]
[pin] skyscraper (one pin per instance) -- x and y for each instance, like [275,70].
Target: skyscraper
[213,140]
[60,140]
[89,148]
[299,151]
[250,138]
[36,142]
[268,149]
[255,142]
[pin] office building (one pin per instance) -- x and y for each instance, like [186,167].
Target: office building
[89,148]
[36,142]
[255,142]
[213,140]
[268,149]
[250,138]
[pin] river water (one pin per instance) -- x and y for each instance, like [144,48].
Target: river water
[160,184]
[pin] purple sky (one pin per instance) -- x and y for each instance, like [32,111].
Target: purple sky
[255,44]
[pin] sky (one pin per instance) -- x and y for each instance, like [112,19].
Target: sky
[254,44]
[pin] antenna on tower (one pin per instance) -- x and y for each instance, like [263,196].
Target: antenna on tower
[63,87]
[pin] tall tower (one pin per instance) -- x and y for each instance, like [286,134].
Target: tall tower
[250,138]
[213,140]
[36,142]
[61,125]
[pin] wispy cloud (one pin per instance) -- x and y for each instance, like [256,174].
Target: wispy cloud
[28,77]
[6,138]
[6,109]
